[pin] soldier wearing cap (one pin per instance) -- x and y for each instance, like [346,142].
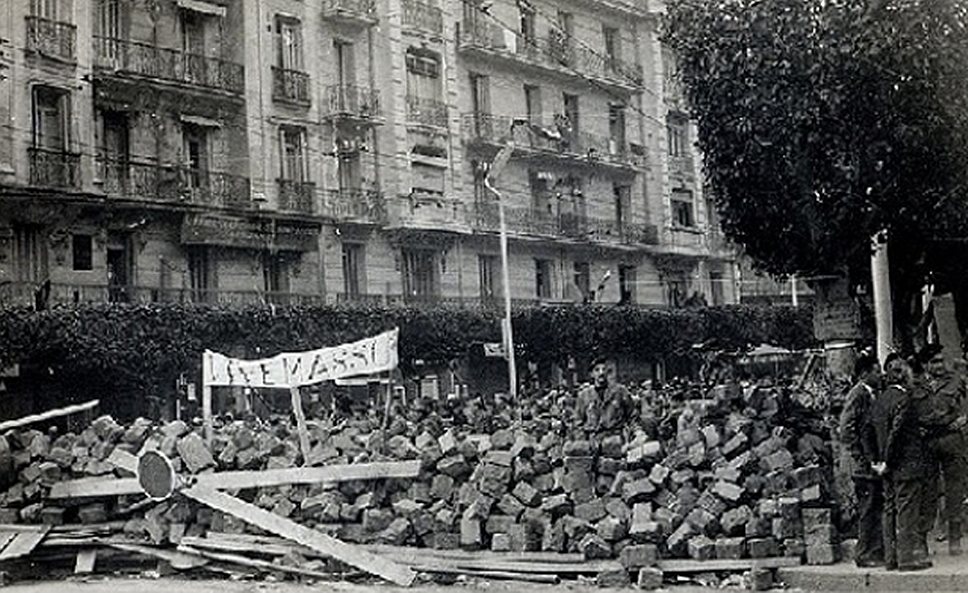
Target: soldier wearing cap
[604,407]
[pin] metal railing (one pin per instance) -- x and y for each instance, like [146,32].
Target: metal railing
[353,101]
[359,205]
[290,85]
[362,10]
[423,17]
[52,168]
[51,38]
[169,64]
[556,51]
[494,129]
[173,183]
[533,221]
[429,112]
[22,293]
[297,196]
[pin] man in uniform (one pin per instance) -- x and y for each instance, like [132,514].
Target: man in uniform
[605,407]
[899,459]
[938,404]
[854,429]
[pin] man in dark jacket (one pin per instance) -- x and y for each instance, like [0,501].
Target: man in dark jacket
[854,428]
[938,403]
[605,407]
[899,459]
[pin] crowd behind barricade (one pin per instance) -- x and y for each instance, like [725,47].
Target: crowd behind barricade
[904,430]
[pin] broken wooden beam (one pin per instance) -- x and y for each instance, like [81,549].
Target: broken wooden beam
[85,561]
[742,565]
[48,415]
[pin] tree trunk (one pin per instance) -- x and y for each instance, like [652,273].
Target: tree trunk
[838,323]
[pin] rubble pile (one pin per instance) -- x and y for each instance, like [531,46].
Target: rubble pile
[735,475]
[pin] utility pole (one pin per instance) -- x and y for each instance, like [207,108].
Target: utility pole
[495,170]
[881,281]
[794,296]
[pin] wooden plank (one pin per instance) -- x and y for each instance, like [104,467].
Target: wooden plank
[483,554]
[178,560]
[234,480]
[358,558]
[548,579]
[207,405]
[122,459]
[300,414]
[691,566]
[6,538]
[253,563]
[48,415]
[85,561]
[22,545]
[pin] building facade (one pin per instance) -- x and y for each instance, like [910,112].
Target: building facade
[294,151]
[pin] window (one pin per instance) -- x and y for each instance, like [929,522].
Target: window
[350,175]
[50,118]
[30,253]
[623,203]
[626,284]
[82,253]
[542,278]
[275,275]
[675,288]
[293,150]
[201,273]
[345,68]
[566,23]
[481,193]
[354,269]
[427,179]
[676,130]
[195,140]
[528,31]
[532,102]
[420,273]
[717,281]
[487,270]
[583,279]
[612,41]
[541,198]
[423,75]
[682,209]
[480,94]
[571,112]
[289,53]
[45,9]
[193,32]
[616,128]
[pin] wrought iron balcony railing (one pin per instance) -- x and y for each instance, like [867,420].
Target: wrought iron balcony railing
[172,183]
[169,64]
[682,166]
[428,112]
[349,100]
[533,221]
[51,38]
[423,17]
[79,294]
[290,85]
[356,205]
[52,168]
[362,11]
[297,196]
[556,52]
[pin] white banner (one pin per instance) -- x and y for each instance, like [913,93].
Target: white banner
[368,356]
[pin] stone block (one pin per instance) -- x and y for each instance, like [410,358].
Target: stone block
[728,491]
[509,505]
[611,529]
[650,579]
[614,577]
[593,547]
[442,487]
[761,579]
[454,466]
[821,554]
[612,447]
[501,458]
[500,542]
[527,494]
[470,534]
[638,556]
[821,534]
[679,539]
[761,547]
[638,490]
[730,548]
[591,512]
[617,508]
[734,521]
[556,504]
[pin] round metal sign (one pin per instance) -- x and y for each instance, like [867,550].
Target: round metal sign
[156,475]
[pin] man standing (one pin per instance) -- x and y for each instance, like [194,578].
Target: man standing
[604,407]
[855,432]
[938,404]
[899,459]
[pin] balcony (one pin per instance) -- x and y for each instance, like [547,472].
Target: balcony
[531,221]
[556,54]
[682,167]
[356,205]
[423,17]
[350,12]
[53,39]
[291,86]
[297,196]
[354,103]
[170,65]
[427,112]
[173,184]
[56,169]
[428,210]
[80,294]
[538,140]
[430,300]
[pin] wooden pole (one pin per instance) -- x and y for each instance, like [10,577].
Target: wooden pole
[48,415]
[297,410]
[881,280]
[207,412]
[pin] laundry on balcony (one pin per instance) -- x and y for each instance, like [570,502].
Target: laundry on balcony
[545,133]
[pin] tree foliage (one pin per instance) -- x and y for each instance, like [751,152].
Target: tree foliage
[822,122]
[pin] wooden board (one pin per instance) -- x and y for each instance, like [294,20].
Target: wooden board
[234,480]
[23,544]
[178,560]
[351,555]
[85,561]
[48,415]
[6,538]
[691,566]
[252,562]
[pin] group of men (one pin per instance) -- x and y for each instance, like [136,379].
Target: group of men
[904,434]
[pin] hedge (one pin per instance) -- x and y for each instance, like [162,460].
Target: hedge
[144,347]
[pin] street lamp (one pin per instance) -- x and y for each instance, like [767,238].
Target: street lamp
[493,173]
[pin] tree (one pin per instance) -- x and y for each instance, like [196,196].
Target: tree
[822,122]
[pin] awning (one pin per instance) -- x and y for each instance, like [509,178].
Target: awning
[200,121]
[202,7]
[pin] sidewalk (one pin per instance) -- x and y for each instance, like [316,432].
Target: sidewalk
[947,574]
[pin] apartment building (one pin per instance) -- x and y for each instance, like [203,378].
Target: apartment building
[295,151]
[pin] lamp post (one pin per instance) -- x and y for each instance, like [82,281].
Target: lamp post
[494,171]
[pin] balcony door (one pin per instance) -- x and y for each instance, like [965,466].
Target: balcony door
[276,278]
[108,28]
[192,25]
[50,119]
[487,268]
[345,63]
[354,270]
[201,274]
[421,279]
[119,267]
[45,9]
[196,154]
[115,150]
[30,253]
